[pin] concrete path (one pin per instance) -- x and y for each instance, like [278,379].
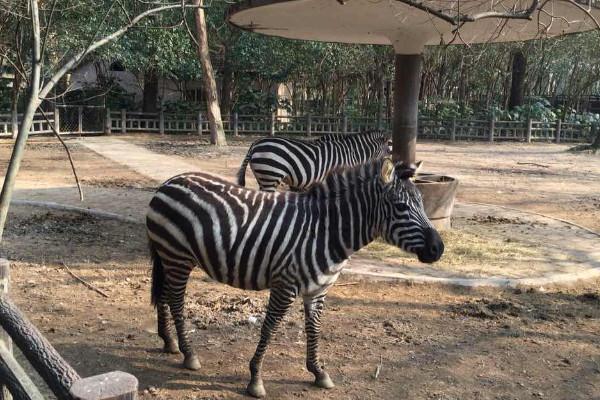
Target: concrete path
[156,166]
[570,253]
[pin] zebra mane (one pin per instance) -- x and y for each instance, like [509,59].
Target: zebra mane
[343,179]
[341,136]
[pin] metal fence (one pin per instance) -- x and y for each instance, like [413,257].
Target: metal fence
[81,120]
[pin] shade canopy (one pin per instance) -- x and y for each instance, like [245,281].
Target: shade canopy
[406,27]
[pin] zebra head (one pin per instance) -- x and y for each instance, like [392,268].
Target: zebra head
[405,224]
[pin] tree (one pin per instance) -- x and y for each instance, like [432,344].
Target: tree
[39,90]
[217,133]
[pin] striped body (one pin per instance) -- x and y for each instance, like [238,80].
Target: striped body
[293,243]
[301,163]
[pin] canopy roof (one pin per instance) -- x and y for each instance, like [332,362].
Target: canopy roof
[410,27]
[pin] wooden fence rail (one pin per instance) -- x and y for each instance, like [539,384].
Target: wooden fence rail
[313,125]
[85,120]
[60,377]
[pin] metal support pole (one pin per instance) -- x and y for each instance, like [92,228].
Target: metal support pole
[453,131]
[161,121]
[199,123]
[344,124]
[236,131]
[406,106]
[107,122]
[272,127]
[56,119]
[529,125]
[15,122]
[492,129]
[558,129]
[123,121]
[79,119]
[308,125]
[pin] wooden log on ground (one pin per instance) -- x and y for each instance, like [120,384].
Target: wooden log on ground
[4,338]
[56,372]
[16,380]
[115,385]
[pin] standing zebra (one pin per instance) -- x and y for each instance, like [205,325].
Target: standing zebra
[301,163]
[295,244]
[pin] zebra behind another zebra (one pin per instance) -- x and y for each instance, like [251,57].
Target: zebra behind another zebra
[301,163]
[296,244]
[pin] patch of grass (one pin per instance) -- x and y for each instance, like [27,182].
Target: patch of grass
[463,247]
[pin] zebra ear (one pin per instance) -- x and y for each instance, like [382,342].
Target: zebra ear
[418,166]
[387,171]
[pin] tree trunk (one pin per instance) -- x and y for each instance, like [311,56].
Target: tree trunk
[150,92]
[32,105]
[519,68]
[217,133]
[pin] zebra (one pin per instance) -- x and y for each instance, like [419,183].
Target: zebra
[295,244]
[301,163]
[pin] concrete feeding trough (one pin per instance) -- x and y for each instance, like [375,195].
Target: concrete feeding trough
[409,26]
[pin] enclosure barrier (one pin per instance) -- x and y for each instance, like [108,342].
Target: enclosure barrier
[95,119]
[60,377]
[309,125]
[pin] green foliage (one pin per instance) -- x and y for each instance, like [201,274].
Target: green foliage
[180,107]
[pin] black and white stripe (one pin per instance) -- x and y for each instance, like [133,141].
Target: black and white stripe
[301,163]
[295,244]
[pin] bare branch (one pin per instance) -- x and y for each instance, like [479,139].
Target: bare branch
[48,25]
[66,149]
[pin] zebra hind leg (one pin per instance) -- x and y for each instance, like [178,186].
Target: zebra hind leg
[165,329]
[280,302]
[313,308]
[177,286]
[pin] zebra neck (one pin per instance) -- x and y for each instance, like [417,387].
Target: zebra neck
[353,222]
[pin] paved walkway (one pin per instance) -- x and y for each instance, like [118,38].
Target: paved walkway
[153,165]
[569,253]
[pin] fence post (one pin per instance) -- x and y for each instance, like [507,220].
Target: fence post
[79,119]
[15,123]
[272,132]
[492,128]
[529,125]
[4,338]
[123,121]
[236,131]
[308,125]
[199,123]
[107,122]
[56,119]
[453,131]
[161,121]
[345,124]
[558,129]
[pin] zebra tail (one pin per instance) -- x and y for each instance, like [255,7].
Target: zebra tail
[241,175]
[158,277]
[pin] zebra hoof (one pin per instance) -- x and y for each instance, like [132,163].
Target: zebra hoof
[256,389]
[324,381]
[191,362]
[171,347]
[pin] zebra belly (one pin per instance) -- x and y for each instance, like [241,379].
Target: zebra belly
[324,280]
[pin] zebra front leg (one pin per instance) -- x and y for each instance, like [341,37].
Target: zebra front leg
[176,304]
[313,308]
[165,329]
[280,301]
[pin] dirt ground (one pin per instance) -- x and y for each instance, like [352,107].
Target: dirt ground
[430,342]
